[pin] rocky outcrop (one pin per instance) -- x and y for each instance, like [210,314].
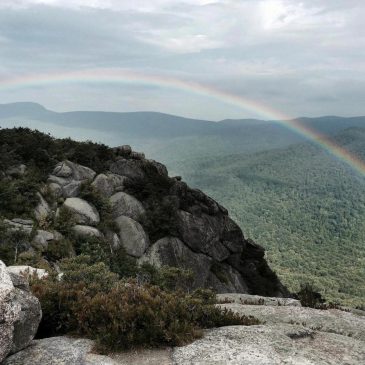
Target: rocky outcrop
[20,313]
[82,211]
[157,219]
[67,177]
[291,334]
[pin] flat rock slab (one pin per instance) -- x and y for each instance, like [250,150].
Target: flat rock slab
[270,345]
[249,299]
[144,357]
[53,351]
[332,320]
[74,351]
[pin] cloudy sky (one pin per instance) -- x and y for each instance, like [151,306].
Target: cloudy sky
[298,57]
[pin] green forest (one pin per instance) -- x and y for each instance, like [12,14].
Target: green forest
[304,206]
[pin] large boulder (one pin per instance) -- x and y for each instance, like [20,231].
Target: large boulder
[42,238]
[83,212]
[42,210]
[270,345]
[67,169]
[86,231]
[59,351]
[130,168]
[20,314]
[125,204]
[108,184]
[132,236]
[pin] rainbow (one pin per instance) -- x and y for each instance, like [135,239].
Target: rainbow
[118,76]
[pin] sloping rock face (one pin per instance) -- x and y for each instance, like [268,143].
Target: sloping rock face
[291,334]
[20,313]
[271,345]
[332,320]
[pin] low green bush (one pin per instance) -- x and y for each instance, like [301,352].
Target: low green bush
[91,301]
[12,244]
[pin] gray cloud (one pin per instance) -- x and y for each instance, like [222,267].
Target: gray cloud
[301,57]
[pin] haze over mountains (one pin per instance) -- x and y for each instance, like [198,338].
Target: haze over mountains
[158,133]
[306,207]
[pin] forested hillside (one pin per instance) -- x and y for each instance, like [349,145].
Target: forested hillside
[295,199]
[304,206]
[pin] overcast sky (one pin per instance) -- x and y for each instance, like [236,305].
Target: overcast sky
[303,58]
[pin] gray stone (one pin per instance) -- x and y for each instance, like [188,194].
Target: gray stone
[42,238]
[162,170]
[124,150]
[332,320]
[72,189]
[62,170]
[202,234]
[125,204]
[20,314]
[69,176]
[19,281]
[67,169]
[26,271]
[55,351]
[18,224]
[129,168]
[8,312]
[226,279]
[113,240]
[42,210]
[270,345]
[83,212]
[132,236]
[26,325]
[171,251]
[102,185]
[257,300]
[55,189]
[108,184]
[86,231]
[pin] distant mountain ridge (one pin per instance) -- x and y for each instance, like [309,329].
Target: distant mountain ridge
[156,124]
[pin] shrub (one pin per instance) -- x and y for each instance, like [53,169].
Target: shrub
[64,221]
[90,301]
[309,297]
[12,244]
[58,250]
